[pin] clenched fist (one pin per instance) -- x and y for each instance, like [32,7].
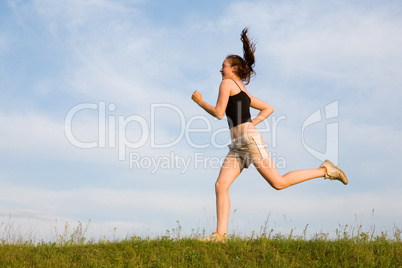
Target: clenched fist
[196,97]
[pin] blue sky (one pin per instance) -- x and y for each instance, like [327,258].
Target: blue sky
[142,60]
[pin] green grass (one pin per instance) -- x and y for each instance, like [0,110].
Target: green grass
[359,250]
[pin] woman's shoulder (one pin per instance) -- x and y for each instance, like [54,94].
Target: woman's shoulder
[228,85]
[235,84]
[232,83]
[227,81]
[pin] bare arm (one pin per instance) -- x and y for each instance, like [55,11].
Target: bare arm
[265,110]
[219,110]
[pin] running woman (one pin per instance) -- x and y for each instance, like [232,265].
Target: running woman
[247,145]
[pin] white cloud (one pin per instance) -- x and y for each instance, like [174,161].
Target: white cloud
[20,130]
[26,213]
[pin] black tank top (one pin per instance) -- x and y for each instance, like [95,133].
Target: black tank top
[238,108]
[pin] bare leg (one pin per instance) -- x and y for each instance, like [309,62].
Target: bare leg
[230,170]
[267,169]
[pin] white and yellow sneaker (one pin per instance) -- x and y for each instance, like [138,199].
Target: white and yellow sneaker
[334,173]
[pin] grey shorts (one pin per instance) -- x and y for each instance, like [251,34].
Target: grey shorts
[248,149]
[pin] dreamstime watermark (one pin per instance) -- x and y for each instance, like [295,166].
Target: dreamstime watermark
[112,132]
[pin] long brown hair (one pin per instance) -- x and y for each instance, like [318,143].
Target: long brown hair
[244,65]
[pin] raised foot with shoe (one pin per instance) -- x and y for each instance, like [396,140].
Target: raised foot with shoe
[333,172]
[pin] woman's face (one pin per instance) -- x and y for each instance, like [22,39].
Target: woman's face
[227,70]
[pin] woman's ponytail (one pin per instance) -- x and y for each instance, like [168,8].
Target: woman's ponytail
[248,49]
[245,65]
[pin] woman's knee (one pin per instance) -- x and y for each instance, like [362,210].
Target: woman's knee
[277,185]
[221,187]
[276,182]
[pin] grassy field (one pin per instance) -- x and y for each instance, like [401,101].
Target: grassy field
[359,250]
